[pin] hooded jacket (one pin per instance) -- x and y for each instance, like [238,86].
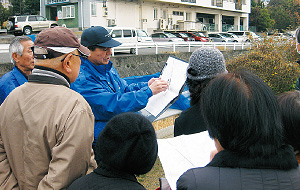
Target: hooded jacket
[46,134]
[228,170]
[10,81]
[108,94]
[126,147]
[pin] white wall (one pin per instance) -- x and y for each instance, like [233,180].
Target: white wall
[131,13]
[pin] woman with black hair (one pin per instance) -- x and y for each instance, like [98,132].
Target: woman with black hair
[242,116]
[289,103]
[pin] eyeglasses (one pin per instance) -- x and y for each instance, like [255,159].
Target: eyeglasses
[80,55]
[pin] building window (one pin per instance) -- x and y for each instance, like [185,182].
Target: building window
[155,14]
[164,15]
[188,16]
[177,13]
[93,9]
[68,11]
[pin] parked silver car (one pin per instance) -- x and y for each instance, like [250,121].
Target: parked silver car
[216,37]
[165,37]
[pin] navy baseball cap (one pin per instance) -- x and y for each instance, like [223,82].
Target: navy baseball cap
[99,36]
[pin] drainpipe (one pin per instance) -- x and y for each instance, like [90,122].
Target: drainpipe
[81,9]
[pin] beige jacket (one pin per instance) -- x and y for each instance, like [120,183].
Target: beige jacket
[46,137]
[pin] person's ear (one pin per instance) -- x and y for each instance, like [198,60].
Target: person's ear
[15,56]
[66,64]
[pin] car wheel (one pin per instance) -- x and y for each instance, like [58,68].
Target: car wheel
[53,25]
[9,25]
[27,30]
[247,40]
[133,51]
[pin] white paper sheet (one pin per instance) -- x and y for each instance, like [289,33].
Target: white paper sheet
[181,153]
[175,73]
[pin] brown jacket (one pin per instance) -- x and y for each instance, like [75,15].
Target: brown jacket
[46,137]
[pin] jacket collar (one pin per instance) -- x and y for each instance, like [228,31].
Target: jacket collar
[109,172]
[102,69]
[26,76]
[47,75]
[20,77]
[284,159]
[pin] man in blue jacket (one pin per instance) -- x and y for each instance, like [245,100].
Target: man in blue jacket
[100,84]
[22,57]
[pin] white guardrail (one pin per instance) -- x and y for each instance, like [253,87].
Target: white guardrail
[135,47]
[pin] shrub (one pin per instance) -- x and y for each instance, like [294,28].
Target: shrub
[274,60]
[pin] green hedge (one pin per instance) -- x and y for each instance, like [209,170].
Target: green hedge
[274,60]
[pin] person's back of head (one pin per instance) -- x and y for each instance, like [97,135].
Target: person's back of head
[204,64]
[127,143]
[289,104]
[242,114]
[58,48]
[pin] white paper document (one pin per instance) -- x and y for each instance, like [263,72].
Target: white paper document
[181,153]
[175,73]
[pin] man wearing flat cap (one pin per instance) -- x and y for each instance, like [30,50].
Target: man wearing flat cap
[100,84]
[46,128]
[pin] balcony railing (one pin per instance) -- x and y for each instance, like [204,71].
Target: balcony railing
[56,1]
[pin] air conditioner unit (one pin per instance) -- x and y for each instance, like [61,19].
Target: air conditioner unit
[162,24]
[105,11]
[111,22]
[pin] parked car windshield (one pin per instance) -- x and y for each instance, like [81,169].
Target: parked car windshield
[170,35]
[141,33]
[226,35]
[184,35]
[108,30]
[199,34]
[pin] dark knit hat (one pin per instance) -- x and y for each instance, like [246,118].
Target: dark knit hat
[206,63]
[128,143]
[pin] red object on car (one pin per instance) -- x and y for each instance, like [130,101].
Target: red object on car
[198,36]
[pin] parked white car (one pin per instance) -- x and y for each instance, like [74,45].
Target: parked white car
[232,36]
[246,36]
[128,36]
[143,36]
[26,24]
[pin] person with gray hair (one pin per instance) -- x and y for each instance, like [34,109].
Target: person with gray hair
[22,58]
[204,65]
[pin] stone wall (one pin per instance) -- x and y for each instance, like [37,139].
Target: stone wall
[130,65]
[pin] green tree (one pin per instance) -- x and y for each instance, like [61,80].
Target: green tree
[285,13]
[260,17]
[25,6]
[4,13]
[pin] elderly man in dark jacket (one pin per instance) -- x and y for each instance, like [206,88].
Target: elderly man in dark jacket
[243,118]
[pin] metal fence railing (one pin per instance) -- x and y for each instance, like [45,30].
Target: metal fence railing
[176,46]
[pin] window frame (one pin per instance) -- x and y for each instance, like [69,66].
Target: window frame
[68,9]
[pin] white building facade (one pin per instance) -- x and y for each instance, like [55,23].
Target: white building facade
[155,15]
[179,15]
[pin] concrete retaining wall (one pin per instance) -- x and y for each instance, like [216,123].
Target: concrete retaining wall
[130,65]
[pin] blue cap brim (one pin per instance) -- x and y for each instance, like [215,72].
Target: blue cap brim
[110,43]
